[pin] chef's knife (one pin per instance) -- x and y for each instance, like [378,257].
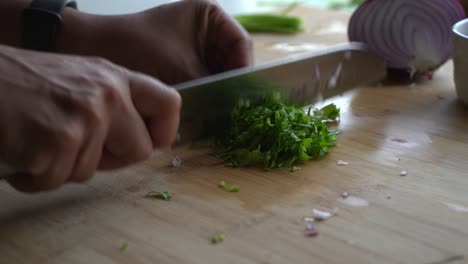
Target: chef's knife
[302,79]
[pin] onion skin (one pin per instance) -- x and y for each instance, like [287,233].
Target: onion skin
[413,36]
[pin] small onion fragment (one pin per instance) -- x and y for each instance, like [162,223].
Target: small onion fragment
[310,230]
[312,233]
[176,162]
[342,163]
[412,36]
[323,215]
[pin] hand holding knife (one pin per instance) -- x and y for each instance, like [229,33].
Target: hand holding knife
[302,79]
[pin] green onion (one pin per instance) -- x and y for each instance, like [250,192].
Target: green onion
[270,23]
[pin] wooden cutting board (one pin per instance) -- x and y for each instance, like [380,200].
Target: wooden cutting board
[419,218]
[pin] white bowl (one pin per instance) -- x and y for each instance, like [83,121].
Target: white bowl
[460,58]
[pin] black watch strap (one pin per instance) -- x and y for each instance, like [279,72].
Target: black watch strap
[42,22]
[54,6]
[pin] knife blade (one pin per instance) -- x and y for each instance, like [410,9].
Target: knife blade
[301,79]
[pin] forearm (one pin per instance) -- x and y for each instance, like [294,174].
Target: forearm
[10,21]
[77,35]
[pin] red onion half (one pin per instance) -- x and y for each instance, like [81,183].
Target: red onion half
[413,36]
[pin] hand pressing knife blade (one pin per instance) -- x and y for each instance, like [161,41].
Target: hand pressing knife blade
[301,80]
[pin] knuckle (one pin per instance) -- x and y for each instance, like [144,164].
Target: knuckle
[67,137]
[110,90]
[91,106]
[102,62]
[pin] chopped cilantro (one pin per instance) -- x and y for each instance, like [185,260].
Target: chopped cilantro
[327,113]
[276,135]
[124,246]
[159,195]
[295,168]
[217,239]
[229,188]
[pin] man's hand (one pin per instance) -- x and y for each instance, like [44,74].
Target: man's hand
[174,43]
[62,117]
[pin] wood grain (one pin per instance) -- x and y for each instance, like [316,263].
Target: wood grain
[421,128]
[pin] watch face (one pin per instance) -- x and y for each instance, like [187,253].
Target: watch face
[39,17]
[40,29]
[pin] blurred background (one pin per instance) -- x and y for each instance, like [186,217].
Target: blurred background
[231,6]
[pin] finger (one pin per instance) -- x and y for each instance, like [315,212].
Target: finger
[68,143]
[158,102]
[128,138]
[110,162]
[23,183]
[232,41]
[90,154]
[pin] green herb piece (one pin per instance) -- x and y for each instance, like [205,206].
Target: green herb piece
[159,195]
[124,246]
[234,188]
[327,113]
[270,23]
[229,188]
[217,239]
[276,135]
[346,5]
[295,168]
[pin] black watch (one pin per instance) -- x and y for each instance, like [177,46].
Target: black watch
[42,22]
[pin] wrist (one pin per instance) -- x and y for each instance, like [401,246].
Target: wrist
[77,33]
